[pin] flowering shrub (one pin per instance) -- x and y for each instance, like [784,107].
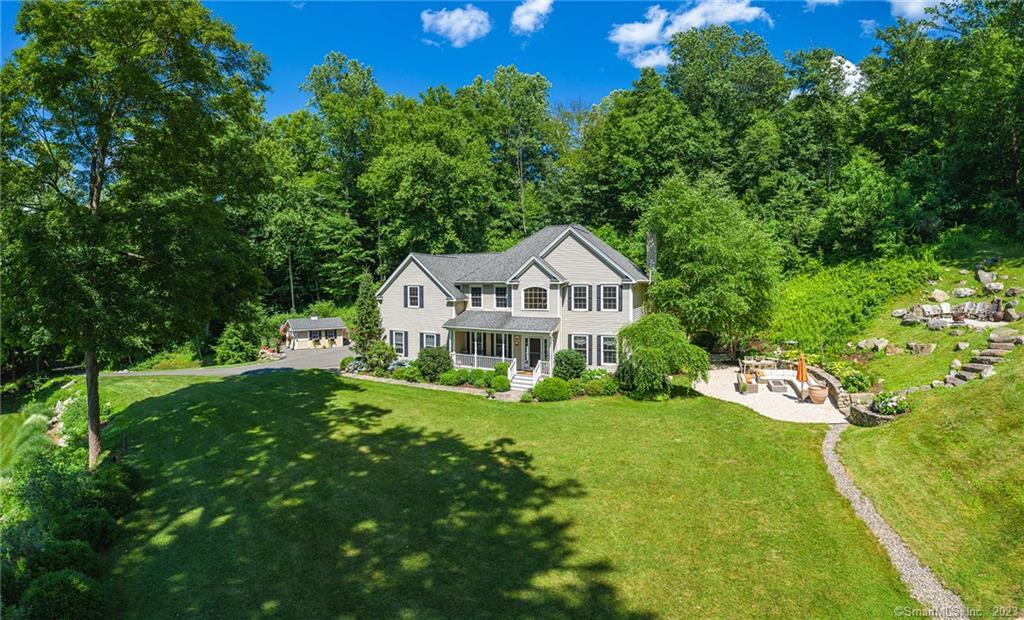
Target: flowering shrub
[853,378]
[889,403]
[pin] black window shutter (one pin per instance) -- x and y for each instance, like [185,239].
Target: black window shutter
[590,350]
[620,298]
[421,297]
[596,290]
[421,341]
[598,355]
[391,338]
[405,296]
[405,344]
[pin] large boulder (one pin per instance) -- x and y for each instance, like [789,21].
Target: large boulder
[1015,291]
[993,287]
[881,344]
[921,348]
[938,295]
[1011,315]
[909,321]
[963,291]
[985,276]
[961,346]
[899,313]
[937,324]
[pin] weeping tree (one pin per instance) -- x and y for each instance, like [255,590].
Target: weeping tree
[127,133]
[654,349]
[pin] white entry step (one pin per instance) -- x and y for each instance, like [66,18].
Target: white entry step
[522,382]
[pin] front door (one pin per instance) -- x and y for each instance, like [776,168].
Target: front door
[533,351]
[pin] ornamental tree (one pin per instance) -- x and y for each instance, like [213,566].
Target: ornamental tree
[651,351]
[127,129]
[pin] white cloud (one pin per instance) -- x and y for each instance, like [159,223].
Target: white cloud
[868,27]
[810,5]
[911,9]
[852,75]
[653,57]
[459,26]
[635,36]
[635,39]
[529,17]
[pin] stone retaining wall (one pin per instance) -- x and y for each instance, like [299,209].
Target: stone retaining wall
[862,416]
[839,397]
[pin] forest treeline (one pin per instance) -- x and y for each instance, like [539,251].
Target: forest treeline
[831,164]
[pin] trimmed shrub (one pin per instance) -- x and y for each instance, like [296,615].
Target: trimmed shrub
[15,574]
[478,377]
[58,555]
[449,377]
[527,397]
[379,356]
[594,387]
[501,368]
[853,378]
[346,362]
[63,594]
[576,387]
[500,383]
[461,376]
[408,373]
[238,343]
[94,525]
[569,364]
[433,361]
[552,389]
[594,373]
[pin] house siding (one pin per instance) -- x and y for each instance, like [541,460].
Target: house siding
[530,278]
[578,264]
[429,318]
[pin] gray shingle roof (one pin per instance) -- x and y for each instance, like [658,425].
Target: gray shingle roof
[303,324]
[453,269]
[502,321]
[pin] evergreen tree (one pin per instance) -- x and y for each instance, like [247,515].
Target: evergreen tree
[366,329]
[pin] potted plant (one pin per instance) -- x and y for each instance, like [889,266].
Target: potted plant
[818,393]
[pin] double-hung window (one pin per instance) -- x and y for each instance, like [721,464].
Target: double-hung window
[580,343]
[429,340]
[580,297]
[398,342]
[609,297]
[501,297]
[330,333]
[535,298]
[476,295]
[609,355]
[314,334]
[413,296]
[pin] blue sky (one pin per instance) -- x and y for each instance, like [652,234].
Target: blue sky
[585,49]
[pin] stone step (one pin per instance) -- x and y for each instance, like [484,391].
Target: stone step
[965,375]
[995,352]
[985,359]
[1006,346]
[1002,339]
[954,381]
[978,368]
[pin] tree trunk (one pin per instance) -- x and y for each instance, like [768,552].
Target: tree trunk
[291,280]
[92,391]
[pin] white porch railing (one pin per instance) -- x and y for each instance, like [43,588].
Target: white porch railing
[470,360]
[543,369]
[512,368]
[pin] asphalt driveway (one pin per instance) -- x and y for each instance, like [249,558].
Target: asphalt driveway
[303,359]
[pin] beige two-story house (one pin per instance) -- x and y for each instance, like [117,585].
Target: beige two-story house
[561,287]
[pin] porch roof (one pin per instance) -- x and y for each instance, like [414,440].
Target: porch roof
[488,320]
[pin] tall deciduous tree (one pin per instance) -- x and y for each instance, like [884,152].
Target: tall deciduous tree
[125,125]
[717,268]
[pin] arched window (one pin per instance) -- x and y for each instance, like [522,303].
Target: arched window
[535,298]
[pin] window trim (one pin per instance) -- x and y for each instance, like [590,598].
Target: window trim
[503,297]
[436,337]
[586,297]
[586,345]
[310,336]
[476,297]
[537,288]
[394,342]
[331,333]
[416,290]
[601,298]
[614,351]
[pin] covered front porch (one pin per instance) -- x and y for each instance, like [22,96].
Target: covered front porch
[525,352]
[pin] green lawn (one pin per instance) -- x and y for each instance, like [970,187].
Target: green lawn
[950,478]
[307,495]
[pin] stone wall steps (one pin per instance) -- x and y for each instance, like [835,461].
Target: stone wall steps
[966,375]
[1005,346]
[978,368]
[985,359]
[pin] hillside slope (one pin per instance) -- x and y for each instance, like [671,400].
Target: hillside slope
[950,478]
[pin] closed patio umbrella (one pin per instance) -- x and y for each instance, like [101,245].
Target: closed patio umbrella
[801,375]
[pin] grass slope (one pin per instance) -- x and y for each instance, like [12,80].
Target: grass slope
[950,478]
[308,495]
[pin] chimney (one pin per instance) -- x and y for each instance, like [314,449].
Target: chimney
[652,253]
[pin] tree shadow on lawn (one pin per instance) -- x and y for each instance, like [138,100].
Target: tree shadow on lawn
[289,495]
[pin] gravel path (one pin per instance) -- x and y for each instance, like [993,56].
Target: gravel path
[924,585]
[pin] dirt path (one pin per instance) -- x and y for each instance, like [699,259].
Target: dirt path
[922,582]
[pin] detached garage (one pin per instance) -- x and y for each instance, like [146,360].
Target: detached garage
[314,333]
